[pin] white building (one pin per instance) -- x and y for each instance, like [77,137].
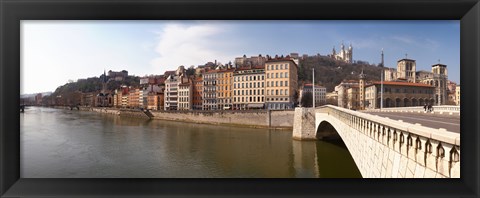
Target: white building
[171,93]
[342,94]
[185,87]
[343,55]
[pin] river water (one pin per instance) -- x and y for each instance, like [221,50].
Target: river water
[57,143]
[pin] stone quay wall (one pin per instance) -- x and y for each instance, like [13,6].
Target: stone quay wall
[253,118]
[275,119]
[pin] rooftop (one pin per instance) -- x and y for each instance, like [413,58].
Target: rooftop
[401,83]
[438,64]
[406,59]
[310,84]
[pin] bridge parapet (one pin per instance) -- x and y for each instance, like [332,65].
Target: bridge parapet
[444,109]
[424,151]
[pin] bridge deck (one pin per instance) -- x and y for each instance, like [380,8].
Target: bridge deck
[450,123]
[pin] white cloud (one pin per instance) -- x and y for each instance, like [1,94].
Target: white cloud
[190,45]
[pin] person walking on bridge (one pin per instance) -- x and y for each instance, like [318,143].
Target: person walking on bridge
[425,107]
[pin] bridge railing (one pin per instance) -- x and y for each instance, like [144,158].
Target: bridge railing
[439,108]
[436,149]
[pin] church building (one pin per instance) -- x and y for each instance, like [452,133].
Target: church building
[343,55]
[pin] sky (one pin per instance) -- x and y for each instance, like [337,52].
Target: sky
[56,52]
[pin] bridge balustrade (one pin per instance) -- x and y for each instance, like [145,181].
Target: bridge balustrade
[445,108]
[436,149]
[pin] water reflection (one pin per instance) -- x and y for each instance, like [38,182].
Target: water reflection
[64,144]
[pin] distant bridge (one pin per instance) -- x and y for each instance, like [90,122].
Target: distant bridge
[383,147]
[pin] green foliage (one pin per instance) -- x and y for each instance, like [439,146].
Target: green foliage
[94,84]
[329,73]
[190,71]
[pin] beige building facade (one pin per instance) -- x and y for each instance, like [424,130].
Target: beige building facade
[249,88]
[398,94]
[281,83]
[439,79]
[224,89]
[457,95]
[406,69]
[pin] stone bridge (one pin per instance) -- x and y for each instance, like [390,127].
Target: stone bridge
[382,147]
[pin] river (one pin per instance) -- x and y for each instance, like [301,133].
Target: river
[58,143]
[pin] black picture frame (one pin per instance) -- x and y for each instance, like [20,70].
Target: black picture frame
[12,11]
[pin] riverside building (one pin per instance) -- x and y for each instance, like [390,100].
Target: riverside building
[281,83]
[209,90]
[224,89]
[249,88]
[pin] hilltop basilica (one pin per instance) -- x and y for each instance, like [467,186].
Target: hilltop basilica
[342,55]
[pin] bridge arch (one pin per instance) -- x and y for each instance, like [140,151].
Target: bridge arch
[325,130]
[381,147]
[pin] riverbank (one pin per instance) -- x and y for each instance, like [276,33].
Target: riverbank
[277,119]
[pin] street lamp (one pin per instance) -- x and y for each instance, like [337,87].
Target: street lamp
[381,90]
[313,87]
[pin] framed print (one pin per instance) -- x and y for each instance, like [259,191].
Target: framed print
[160,98]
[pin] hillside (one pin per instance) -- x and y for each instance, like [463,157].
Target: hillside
[329,73]
[94,84]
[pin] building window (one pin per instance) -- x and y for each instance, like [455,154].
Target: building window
[281,75]
[262,84]
[281,66]
[286,83]
[276,67]
[276,83]
[276,75]
[286,74]
[281,83]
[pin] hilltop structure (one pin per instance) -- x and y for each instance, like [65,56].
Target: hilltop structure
[343,55]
